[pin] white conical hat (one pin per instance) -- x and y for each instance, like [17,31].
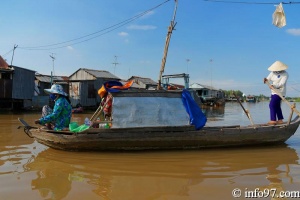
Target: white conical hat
[277,66]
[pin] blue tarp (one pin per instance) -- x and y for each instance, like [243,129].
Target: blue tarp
[197,117]
[109,84]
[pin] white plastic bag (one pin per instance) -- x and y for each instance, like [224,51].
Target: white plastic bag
[279,16]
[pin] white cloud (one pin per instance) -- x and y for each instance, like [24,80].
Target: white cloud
[70,48]
[148,14]
[294,31]
[123,34]
[141,27]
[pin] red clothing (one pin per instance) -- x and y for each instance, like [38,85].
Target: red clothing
[108,104]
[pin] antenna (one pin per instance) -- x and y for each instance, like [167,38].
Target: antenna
[211,61]
[53,58]
[12,58]
[115,63]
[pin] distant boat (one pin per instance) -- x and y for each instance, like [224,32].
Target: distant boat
[251,98]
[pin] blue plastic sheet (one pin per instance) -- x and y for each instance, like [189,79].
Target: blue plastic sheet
[109,84]
[197,117]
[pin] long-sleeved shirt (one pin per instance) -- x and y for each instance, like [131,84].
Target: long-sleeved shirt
[61,115]
[279,81]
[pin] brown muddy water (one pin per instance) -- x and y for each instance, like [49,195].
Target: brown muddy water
[29,170]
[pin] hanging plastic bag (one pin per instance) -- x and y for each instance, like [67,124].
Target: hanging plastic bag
[279,19]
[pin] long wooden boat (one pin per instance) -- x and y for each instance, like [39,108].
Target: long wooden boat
[149,120]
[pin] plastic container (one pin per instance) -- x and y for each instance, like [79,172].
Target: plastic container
[104,125]
[87,122]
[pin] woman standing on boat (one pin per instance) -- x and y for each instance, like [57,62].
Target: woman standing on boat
[278,78]
[60,117]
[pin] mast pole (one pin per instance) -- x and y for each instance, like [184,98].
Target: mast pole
[164,59]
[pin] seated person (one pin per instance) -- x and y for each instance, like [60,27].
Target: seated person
[59,118]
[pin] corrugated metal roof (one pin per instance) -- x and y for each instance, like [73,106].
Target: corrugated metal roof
[47,78]
[147,81]
[3,64]
[134,85]
[201,86]
[100,73]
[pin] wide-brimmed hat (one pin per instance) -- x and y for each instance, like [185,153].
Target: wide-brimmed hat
[56,89]
[277,66]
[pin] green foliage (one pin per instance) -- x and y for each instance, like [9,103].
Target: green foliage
[230,93]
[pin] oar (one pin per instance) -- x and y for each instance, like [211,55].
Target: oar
[293,107]
[99,110]
[245,110]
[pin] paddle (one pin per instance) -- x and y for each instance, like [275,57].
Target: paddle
[293,107]
[99,110]
[26,127]
[246,111]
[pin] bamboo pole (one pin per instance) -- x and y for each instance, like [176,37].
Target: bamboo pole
[164,59]
[245,110]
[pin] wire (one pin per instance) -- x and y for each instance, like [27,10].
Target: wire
[245,2]
[88,36]
[7,52]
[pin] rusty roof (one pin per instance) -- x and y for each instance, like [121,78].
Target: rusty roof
[3,64]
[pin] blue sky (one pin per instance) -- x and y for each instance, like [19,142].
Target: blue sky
[228,45]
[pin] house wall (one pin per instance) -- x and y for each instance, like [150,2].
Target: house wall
[82,75]
[5,88]
[23,83]
[85,92]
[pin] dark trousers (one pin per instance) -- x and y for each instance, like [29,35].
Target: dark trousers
[275,108]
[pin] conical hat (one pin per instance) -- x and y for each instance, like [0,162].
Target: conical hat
[277,66]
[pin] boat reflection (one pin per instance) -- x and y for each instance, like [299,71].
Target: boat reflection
[158,174]
[214,113]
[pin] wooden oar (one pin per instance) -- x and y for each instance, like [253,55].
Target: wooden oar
[293,107]
[99,110]
[245,110]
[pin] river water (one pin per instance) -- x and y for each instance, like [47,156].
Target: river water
[29,170]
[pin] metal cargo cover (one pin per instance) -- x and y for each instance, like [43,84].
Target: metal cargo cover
[147,111]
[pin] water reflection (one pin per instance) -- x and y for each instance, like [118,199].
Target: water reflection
[43,173]
[214,113]
[151,175]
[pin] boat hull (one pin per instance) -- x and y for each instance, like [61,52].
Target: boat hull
[151,138]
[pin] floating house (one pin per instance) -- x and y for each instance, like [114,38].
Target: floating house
[209,95]
[145,83]
[16,86]
[251,98]
[84,85]
[42,82]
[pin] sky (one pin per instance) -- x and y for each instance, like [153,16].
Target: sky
[226,44]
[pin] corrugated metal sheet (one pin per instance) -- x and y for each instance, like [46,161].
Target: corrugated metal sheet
[47,78]
[74,93]
[201,86]
[134,85]
[23,83]
[102,74]
[146,81]
[90,74]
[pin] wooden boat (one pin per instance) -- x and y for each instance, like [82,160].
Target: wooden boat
[149,120]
